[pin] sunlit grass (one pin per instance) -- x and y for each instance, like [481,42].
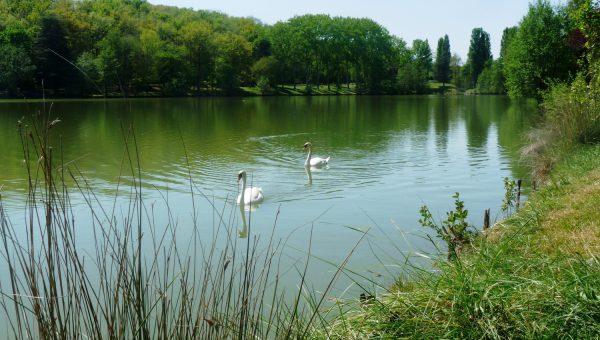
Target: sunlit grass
[570,118]
[534,275]
[303,89]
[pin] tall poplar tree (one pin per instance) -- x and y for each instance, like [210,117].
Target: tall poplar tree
[479,53]
[442,60]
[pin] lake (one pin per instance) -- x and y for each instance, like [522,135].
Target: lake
[389,156]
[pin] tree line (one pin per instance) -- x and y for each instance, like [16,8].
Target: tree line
[131,48]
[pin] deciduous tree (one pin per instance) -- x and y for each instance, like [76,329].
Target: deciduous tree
[491,79]
[414,67]
[53,58]
[539,52]
[233,61]
[198,40]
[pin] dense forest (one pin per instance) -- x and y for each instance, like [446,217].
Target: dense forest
[75,48]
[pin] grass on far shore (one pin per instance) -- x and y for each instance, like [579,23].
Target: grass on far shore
[156,91]
[534,275]
[301,90]
[332,89]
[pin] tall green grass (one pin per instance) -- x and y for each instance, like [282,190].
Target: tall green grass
[135,280]
[571,117]
[573,111]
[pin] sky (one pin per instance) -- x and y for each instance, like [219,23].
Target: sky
[406,19]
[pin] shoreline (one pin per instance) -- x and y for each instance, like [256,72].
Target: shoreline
[527,276]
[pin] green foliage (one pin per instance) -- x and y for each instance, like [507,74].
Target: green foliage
[422,53]
[411,80]
[480,53]
[375,51]
[414,67]
[119,58]
[15,34]
[491,80]
[16,69]
[507,35]
[586,14]
[266,70]
[134,48]
[199,42]
[264,85]
[233,61]
[89,65]
[442,60]
[510,196]
[573,111]
[459,74]
[30,11]
[539,53]
[52,57]
[171,72]
[454,230]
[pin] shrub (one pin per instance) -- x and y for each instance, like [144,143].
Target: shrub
[574,111]
[455,230]
[263,85]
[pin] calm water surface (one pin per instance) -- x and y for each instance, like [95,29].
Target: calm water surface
[389,156]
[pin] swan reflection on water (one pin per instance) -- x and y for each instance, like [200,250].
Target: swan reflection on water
[244,232]
[308,174]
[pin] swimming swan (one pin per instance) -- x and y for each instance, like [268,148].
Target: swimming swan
[315,162]
[251,195]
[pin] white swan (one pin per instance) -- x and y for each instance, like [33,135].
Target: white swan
[315,162]
[251,195]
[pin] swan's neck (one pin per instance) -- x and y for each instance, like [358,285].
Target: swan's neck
[307,163]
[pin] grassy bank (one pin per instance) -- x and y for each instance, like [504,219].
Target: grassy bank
[535,275]
[301,90]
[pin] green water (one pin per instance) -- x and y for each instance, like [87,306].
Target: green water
[389,156]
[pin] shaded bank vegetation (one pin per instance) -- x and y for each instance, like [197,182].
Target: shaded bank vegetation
[132,48]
